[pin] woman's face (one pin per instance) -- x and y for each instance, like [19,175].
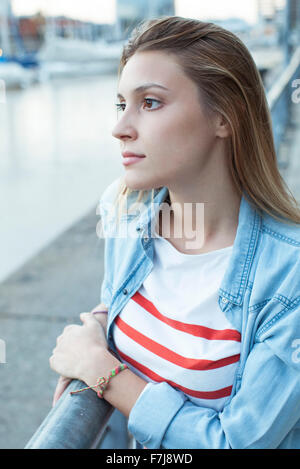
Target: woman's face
[168,126]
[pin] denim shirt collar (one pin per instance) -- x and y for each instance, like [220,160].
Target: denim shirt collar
[248,231]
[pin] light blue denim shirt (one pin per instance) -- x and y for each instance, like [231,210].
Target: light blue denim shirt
[260,296]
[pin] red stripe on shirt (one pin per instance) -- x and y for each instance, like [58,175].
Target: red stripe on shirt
[167,354]
[193,329]
[218,394]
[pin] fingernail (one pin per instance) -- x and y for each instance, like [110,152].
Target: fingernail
[96,312]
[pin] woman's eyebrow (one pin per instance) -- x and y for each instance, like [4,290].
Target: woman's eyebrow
[144,87]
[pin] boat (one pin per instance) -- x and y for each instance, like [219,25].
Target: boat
[15,75]
[60,57]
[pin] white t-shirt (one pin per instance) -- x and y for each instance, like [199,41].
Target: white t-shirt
[172,329]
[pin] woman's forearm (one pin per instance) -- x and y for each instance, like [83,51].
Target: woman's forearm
[123,390]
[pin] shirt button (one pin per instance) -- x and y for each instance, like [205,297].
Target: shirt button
[125,291]
[224,300]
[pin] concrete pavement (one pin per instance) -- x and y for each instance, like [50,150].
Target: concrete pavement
[36,303]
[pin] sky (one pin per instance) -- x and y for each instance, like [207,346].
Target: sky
[103,11]
[99,11]
[216,9]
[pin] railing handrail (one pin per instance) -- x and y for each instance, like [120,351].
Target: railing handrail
[76,421]
[278,88]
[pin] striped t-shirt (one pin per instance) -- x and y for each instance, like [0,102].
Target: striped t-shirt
[172,329]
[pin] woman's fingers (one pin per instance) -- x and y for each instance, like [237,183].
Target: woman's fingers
[100,313]
[101,307]
[60,387]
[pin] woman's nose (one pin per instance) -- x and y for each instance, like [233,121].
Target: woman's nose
[124,130]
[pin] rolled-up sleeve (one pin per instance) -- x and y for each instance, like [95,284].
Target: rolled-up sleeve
[148,420]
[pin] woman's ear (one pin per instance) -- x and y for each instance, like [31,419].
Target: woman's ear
[223,129]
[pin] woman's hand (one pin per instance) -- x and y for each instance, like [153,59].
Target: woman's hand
[101,316]
[78,346]
[63,382]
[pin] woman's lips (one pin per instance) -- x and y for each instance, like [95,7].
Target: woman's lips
[131,159]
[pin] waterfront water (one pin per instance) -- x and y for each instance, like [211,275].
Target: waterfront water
[57,156]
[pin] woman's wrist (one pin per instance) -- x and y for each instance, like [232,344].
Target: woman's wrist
[101,363]
[122,390]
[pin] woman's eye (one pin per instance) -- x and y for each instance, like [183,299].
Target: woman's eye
[148,101]
[119,106]
[151,101]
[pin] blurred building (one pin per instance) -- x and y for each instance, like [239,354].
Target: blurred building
[131,12]
[266,10]
[31,31]
[70,28]
[5,19]
[293,12]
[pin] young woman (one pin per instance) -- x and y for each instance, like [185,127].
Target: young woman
[207,322]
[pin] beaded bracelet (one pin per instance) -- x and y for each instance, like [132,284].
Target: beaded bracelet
[103,382]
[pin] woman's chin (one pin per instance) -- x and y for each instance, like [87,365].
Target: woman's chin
[137,184]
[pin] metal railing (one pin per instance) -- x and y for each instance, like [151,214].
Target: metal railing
[75,422]
[280,98]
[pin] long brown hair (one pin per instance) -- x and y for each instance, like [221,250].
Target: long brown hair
[230,83]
